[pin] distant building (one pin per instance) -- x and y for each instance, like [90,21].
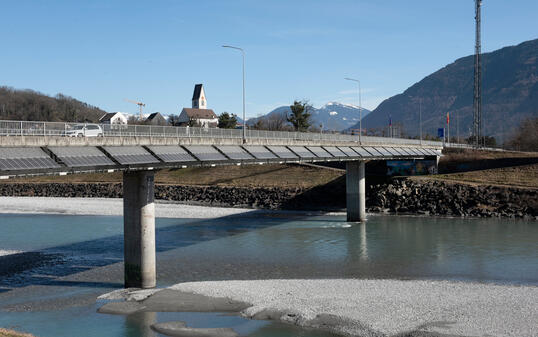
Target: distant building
[199,114]
[156,119]
[115,118]
[198,97]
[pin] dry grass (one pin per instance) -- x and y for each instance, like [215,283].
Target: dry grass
[463,155]
[72,178]
[11,333]
[525,176]
[273,175]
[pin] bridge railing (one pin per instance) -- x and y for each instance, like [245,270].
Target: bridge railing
[30,128]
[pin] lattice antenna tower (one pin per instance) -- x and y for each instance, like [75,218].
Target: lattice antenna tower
[477,97]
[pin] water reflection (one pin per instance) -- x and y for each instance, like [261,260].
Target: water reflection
[387,247]
[139,324]
[490,250]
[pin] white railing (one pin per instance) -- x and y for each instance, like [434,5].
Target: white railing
[55,129]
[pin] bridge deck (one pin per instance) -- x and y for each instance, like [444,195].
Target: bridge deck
[20,161]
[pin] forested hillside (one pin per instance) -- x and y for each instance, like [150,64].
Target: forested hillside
[509,95]
[29,105]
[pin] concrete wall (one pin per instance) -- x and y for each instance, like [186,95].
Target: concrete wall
[7,141]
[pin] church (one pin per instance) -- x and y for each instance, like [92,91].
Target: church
[199,115]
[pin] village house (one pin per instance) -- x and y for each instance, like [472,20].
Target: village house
[113,118]
[199,114]
[156,119]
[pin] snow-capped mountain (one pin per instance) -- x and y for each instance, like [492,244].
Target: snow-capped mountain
[332,116]
[338,116]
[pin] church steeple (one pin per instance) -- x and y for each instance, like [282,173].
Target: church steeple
[198,98]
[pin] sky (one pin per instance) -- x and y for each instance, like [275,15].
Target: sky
[103,52]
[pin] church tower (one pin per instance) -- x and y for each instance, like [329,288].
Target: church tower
[198,98]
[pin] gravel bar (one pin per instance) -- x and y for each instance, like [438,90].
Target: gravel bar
[385,307]
[107,206]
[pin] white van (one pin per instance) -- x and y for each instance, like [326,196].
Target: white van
[85,130]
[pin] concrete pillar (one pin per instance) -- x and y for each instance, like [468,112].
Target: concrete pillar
[139,229]
[355,191]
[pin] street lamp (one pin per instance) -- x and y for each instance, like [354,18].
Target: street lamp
[360,105]
[244,120]
[419,115]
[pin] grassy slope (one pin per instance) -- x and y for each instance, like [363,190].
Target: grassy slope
[525,176]
[246,176]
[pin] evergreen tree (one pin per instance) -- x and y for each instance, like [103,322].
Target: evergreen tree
[300,115]
[226,121]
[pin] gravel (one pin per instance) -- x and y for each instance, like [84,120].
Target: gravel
[105,206]
[385,307]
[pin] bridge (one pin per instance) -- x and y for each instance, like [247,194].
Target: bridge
[42,148]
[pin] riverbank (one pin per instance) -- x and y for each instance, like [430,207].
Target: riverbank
[11,333]
[107,206]
[357,307]
[397,196]
[446,198]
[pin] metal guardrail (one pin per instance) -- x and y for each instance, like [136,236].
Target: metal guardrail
[56,129]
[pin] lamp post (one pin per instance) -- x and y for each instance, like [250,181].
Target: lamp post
[360,105]
[419,116]
[244,120]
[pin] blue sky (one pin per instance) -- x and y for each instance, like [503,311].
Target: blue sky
[102,51]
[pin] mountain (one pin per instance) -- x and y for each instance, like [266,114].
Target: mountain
[509,95]
[29,105]
[333,115]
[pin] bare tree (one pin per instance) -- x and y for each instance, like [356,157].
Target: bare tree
[276,122]
[525,138]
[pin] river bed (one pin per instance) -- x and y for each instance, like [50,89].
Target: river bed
[79,257]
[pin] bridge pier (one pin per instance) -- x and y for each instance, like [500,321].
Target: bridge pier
[356,191]
[139,229]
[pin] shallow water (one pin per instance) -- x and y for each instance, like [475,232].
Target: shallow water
[84,252]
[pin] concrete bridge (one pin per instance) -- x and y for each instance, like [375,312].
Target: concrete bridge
[45,149]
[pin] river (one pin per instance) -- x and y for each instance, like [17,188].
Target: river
[70,259]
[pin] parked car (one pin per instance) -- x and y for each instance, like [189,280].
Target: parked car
[85,130]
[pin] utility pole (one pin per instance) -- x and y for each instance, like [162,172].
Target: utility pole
[448,126]
[244,118]
[457,127]
[477,97]
[420,118]
[360,105]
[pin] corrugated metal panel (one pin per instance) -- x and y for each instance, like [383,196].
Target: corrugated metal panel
[205,152]
[260,152]
[302,151]
[348,151]
[235,152]
[283,152]
[81,156]
[319,152]
[363,152]
[334,151]
[171,153]
[129,155]
[27,158]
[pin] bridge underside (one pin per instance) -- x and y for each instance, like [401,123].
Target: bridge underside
[138,162]
[46,160]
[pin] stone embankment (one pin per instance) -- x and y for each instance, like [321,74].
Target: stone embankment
[395,196]
[452,199]
[266,198]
